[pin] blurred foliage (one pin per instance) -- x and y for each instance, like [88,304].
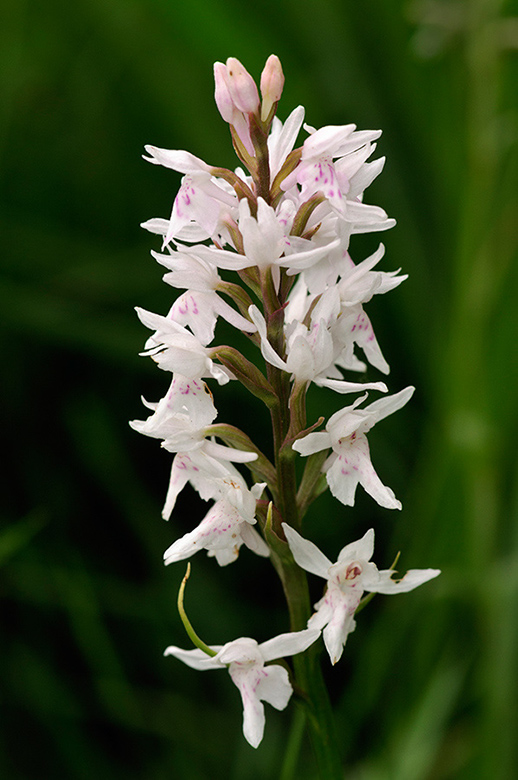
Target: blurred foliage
[427,687]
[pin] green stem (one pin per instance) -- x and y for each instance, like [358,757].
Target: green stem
[308,674]
[289,417]
[291,754]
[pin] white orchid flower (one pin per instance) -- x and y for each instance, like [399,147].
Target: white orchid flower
[200,311]
[225,527]
[227,524]
[200,305]
[208,468]
[264,242]
[317,171]
[350,463]
[310,355]
[246,659]
[181,416]
[180,419]
[341,180]
[201,200]
[354,327]
[347,580]
[358,283]
[175,349]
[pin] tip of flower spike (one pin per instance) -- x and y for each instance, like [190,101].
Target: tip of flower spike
[242,87]
[222,94]
[272,84]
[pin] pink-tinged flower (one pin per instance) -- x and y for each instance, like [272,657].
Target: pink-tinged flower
[317,170]
[257,683]
[181,420]
[200,310]
[225,527]
[200,305]
[341,180]
[264,242]
[203,202]
[342,288]
[174,349]
[350,463]
[311,354]
[347,580]
[181,416]
[208,469]
[242,87]
[354,327]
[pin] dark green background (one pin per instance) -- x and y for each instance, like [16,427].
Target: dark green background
[427,686]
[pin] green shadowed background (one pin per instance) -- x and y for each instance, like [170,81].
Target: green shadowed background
[427,686]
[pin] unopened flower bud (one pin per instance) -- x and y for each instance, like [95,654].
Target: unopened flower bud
[242,87]
[222,94]
[272,83]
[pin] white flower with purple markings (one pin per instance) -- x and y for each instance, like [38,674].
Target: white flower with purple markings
[347,580]
[245,659]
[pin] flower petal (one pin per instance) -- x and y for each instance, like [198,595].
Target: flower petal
[267,350]
[313,442]
[290,643]
[282,139]
[254,541]
[253,711]
[385,406]
[336,632]
[307,554]
[177,159]
[362,549]
[196,659]
[412,579]
[275,687]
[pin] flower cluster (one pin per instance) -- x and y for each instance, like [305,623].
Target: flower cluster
[282,223]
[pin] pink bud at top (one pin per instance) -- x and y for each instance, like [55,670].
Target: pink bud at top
[272,83]
[242,87]
[222,94]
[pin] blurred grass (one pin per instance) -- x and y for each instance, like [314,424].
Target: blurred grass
[427,688]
